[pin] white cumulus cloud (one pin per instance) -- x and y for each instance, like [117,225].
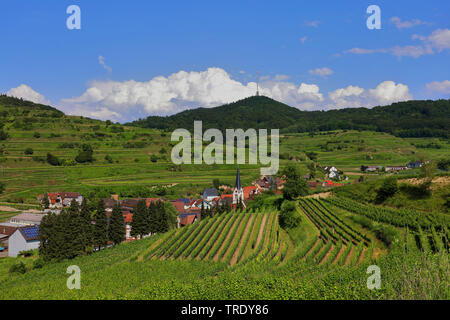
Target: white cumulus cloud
[129,100]
[406,24]
[439,87]
[27,93]
[437,41]
[322,72]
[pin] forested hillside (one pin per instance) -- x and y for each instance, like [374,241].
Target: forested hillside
[405,119]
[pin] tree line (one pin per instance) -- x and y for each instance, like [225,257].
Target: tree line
[78,230]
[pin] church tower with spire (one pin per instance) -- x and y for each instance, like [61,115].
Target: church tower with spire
[238,192]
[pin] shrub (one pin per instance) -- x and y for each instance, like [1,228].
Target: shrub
[53,160]
[26,253]
[18,267]
[108,158]
[387,189]
[3,135]
[153,158]
[37,135]
[39,263]
[85,154]
[289,217]
[28,151]
[387,234]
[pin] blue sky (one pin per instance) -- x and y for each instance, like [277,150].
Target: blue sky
[160,57]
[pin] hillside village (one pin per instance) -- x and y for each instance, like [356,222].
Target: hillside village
[21,232]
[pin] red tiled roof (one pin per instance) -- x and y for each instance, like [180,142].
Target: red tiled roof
[187,220]
[179,205]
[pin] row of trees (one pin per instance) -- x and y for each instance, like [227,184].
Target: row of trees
[73,232]
[158,217]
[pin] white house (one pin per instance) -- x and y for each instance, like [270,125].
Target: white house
[27,219]
[331,172]
[24,238]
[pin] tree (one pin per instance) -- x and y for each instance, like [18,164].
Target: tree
[116,228]
[295,184]
[153,158]
[152,218]
[46,201]
[171,214]
[85,154]
[289,216]
[28,151]
[53,160]
[312,169]
[108,159]
[74,231]
[101,226]
[216,183]
[138,225]
[3,135]
[387,189]
[86,226]
[202,211]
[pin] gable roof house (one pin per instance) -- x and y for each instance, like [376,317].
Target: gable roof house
[415,164]
[27,219]
[331,172]
[24,238]
[210,193]
[396,168]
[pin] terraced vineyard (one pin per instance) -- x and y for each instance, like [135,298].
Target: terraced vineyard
[338,242]
[232,238]
[428,232]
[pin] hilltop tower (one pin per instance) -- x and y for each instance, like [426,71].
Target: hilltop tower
[238,192]
[257,89]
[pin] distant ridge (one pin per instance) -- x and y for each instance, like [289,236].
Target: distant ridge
[415,118]
[8,101]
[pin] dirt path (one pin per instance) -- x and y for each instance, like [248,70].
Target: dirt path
[325,258]
[347,259]
[339,255]
[312,248]
[216,257]
[320,251]
[247,229]
[361,256]
[10,209]
[261,230]
[319,195]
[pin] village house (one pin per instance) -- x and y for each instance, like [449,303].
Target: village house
[209,194]
[370,168]
[414,165]
[24,238]
[331,172]
[59,200]
[26,219]
[395,168]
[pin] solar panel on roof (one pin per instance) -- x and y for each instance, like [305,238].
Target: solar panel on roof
[30,233]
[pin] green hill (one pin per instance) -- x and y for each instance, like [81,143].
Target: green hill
[246,255]
[405,119]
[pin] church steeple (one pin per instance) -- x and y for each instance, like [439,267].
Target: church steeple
[238,185]
[238,192]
